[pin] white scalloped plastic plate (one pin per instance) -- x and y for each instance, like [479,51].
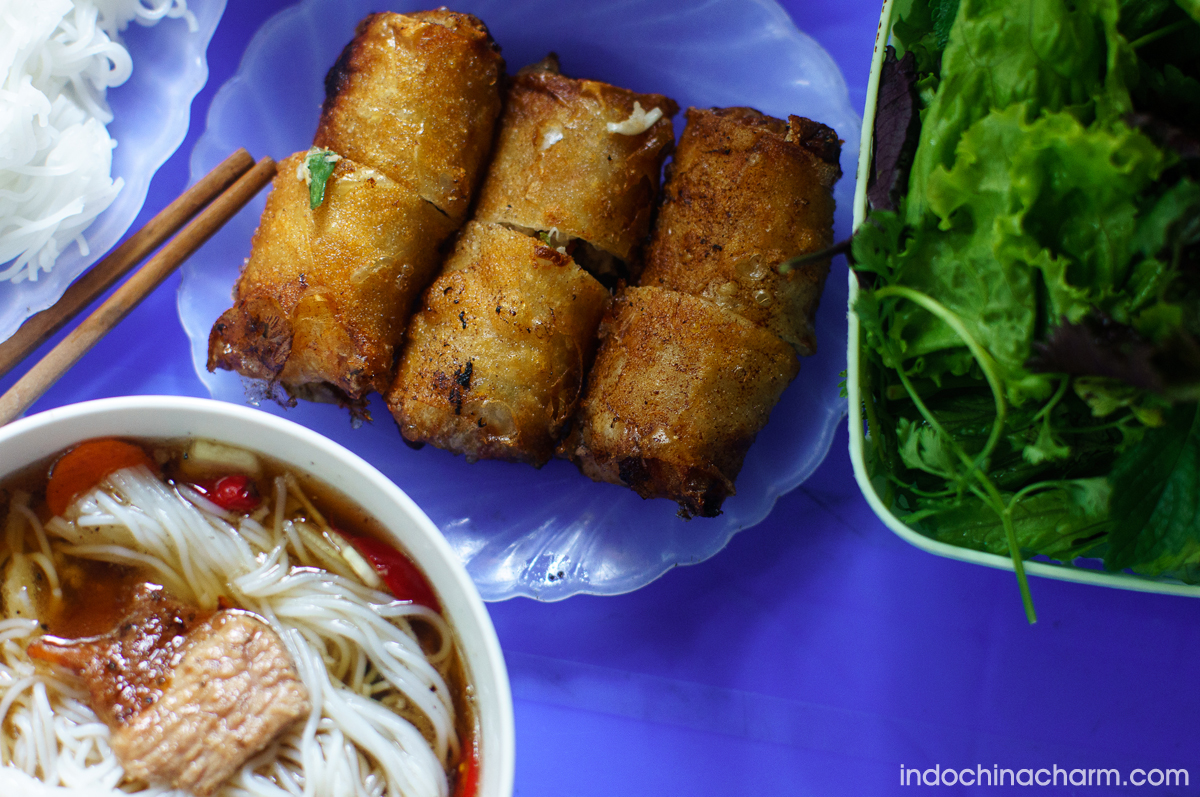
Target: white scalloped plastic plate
[1082,575]
[550,533]
[151,114]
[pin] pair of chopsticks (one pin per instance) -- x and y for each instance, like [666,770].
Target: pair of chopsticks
[204,208]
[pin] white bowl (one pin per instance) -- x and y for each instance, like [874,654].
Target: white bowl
[871,491]
[34,438]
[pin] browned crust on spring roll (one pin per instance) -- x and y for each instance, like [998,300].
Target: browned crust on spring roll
[745,193]
[325,294]
[558,166]
[417,96]
[494,361]
[679,390]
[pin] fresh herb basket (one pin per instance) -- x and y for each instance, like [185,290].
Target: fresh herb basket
[1024,365]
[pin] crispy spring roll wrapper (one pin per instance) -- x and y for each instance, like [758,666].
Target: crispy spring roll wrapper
[558,165]
[494,361]
[679,389]
[417,96]
[324,297]
[744,193]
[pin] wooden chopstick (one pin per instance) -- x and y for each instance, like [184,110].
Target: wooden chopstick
[59,360]
[38,328]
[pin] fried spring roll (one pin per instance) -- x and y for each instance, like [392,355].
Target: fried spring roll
[323,298]
[494,360]
[745,193]
[678,392]
[417,96]
[578,159]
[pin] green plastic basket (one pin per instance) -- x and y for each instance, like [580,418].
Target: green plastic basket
[871,491]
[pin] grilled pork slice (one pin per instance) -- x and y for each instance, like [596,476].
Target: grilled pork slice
[189,696]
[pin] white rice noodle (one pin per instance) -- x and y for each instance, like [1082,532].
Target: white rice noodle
[353,647]
[58,58]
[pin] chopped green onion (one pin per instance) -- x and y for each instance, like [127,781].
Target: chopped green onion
[320,164]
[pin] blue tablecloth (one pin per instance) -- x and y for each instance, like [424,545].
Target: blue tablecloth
[817,654]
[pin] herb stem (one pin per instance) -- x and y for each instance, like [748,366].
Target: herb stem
[935,424]
[1090,429]
[917,491]
[990,495]
[981,356]
[1155,35]
[1053,402]
[1015,552]
[1024,491]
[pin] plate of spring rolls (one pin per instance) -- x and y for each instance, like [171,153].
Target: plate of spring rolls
[473,270]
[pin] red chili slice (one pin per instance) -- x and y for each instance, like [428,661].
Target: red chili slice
[468,774]
[401,576]
[236,492]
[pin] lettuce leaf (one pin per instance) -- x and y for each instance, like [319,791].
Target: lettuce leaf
[926,22]
[1050,55]
[1030,213]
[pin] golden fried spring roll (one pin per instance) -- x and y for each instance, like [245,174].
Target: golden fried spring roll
[416,96]
[495,358]
[578,159]
[325,294]
[744,193]
[679,389]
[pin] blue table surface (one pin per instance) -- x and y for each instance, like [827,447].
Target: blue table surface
[818,653]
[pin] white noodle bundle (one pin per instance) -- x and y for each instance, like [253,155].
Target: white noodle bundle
[58,59]
[353,648]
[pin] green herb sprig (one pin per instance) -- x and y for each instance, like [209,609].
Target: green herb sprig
[320,164]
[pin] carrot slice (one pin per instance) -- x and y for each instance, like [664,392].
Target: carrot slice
[86,465]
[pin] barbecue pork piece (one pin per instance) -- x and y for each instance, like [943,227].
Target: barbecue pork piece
[190,696]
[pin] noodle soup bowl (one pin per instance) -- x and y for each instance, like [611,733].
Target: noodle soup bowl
[30,440]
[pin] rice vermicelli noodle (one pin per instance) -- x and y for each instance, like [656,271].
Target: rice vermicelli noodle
[58,58]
